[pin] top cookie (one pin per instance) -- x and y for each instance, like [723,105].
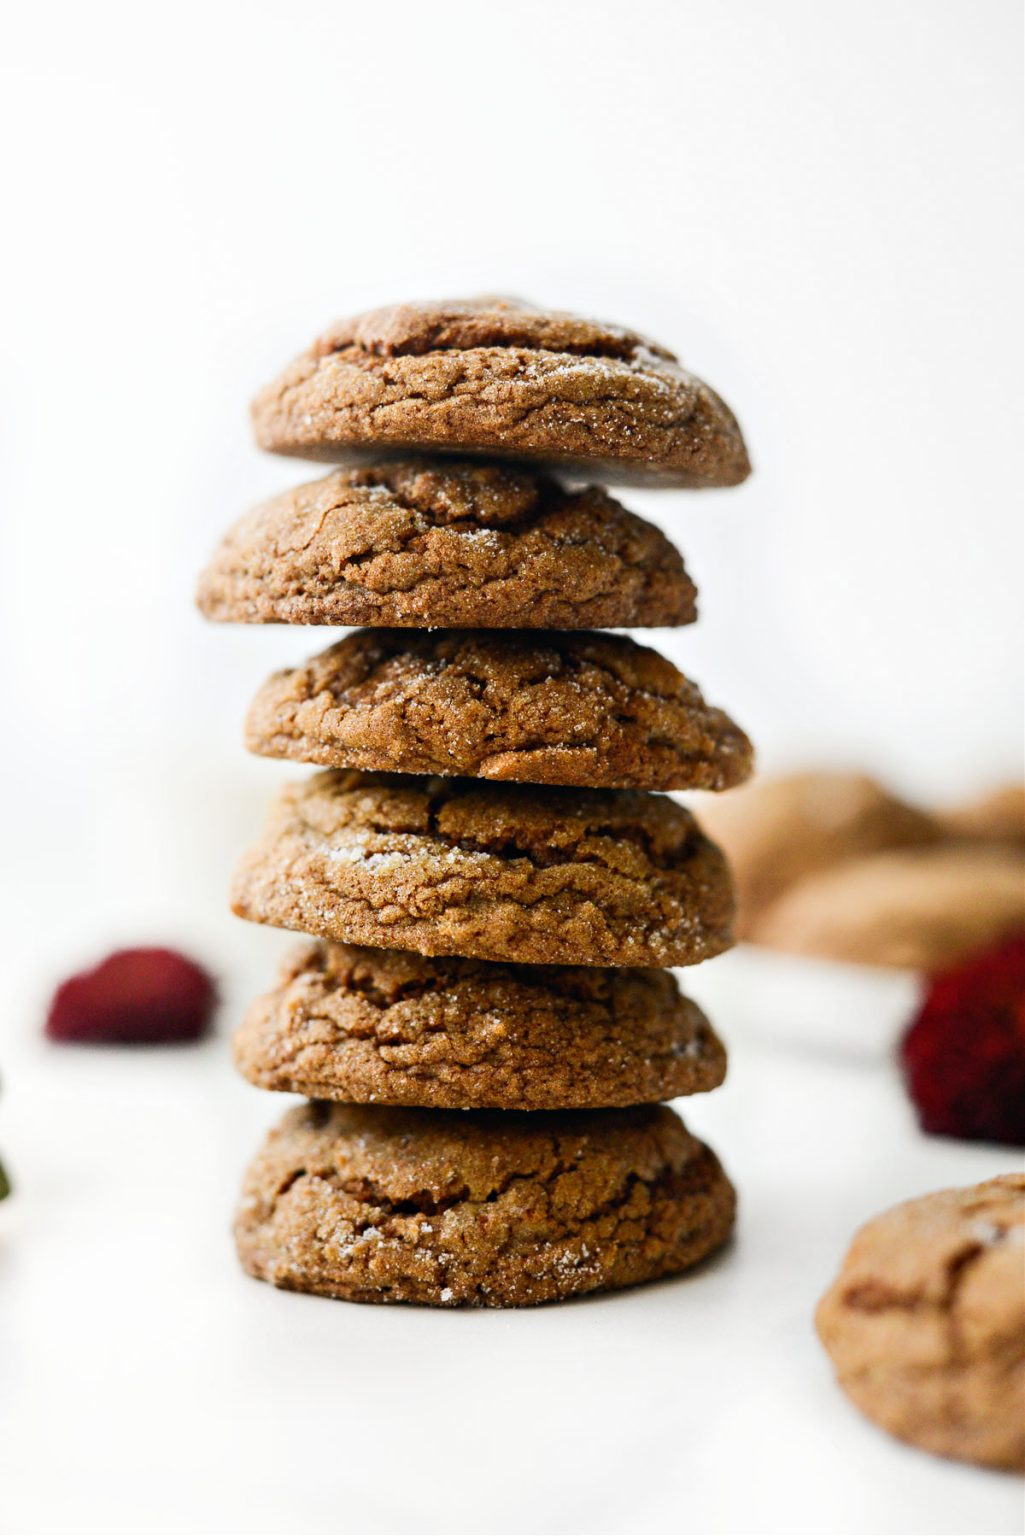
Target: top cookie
[498,377]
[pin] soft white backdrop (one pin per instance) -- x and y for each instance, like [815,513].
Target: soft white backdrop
[817,204]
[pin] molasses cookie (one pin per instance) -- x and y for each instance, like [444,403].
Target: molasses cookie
[386,1027]
[776,832]
[446,544]
[922,908]
[925,1323]
[534,706]
[996,817]
[506,872]
[480,1209]
[498,377]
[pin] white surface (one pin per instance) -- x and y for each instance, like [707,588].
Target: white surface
[148,1386]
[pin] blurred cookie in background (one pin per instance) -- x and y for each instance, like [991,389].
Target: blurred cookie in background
[996,817]
[920,908]
[776,832]
[833,865]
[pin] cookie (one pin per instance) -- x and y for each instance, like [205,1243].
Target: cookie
[446,544]
[498,377]
[381,1026]
[534,706]
[480,1209]
[922,908]
[776,832]
[511,872]
[996,817]
[925,1323]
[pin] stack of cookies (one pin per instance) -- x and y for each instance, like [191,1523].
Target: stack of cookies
[481,1018]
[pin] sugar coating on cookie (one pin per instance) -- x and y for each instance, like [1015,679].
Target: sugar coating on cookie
[531,706]
[388,1027]
[925,1323]
[479,1209]
[446,543]
[498,377]
[509,872]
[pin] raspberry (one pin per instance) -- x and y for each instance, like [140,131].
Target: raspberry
[134,997]
[963,1056]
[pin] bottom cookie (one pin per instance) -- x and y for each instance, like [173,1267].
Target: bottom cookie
[482,1208]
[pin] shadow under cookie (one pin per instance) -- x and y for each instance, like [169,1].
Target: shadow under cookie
[478,1209]
[537,707]
[386,1027]
[518,873]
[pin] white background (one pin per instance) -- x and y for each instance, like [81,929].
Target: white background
[818,205]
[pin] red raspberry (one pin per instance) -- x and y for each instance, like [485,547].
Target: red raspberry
[964,1055]
[134,997]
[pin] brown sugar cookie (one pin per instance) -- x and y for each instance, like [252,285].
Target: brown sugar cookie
[498,377]
[923,908]
[446,544]
[478,1209]
[383,1026]
[925,1323]
[508,872]
[996,817]
[776,832]
[534,706]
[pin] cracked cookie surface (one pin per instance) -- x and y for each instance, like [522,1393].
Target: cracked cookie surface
[925,1323]
[510,872]
[498,377]
[435,544]
[478,1209]
[532,706]
[387,1027]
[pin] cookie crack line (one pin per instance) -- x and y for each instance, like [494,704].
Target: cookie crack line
[538,1180]
[876,1296]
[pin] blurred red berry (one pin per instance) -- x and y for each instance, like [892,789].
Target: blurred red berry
[964,1055]
[134,997]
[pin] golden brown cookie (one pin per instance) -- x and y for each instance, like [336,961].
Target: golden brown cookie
[925,1323]
[776,832]
[996,817]
[498,377]
[480,1209]
[387,1027]
[923,908]
[507,872]
[446,544]
[540,707]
